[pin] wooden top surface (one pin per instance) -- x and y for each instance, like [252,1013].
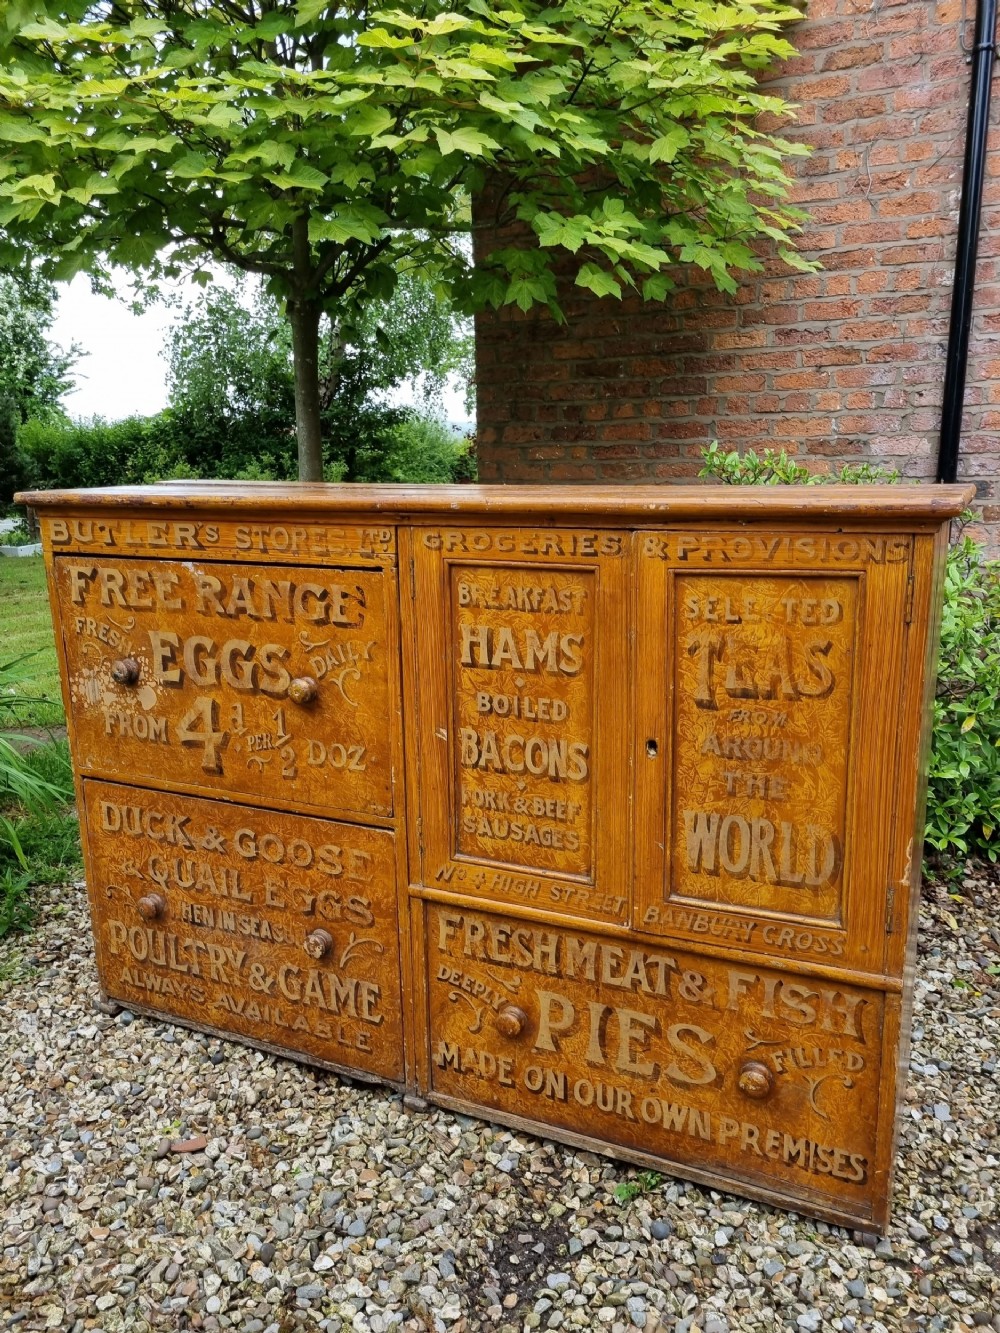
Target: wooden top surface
[636,503]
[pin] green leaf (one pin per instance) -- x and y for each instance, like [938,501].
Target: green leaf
[309,11]
[344,225]
[657,288]
[224,115]
[524,291]
[147,27]
[45,31]
[597,281]
[299,176]
[190,166]
[667,146]
[382,40]
[465,140]
[445,23]
[272,153]
[21,131]
[369,120]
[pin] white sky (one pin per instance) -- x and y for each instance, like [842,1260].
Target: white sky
[123,373]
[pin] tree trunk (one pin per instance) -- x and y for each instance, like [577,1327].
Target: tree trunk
[305,316]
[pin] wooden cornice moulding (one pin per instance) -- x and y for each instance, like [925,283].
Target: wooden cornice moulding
[637,503]
[596,811]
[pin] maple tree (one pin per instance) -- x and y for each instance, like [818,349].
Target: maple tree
[333,147]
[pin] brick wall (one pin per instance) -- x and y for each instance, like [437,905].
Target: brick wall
[844,364]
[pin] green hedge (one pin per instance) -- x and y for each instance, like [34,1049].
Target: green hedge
[96,453]
[372,444]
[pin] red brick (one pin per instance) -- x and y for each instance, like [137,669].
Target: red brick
[847,57]
[801,379]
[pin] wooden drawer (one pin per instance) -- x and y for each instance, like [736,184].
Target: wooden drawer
[279,929]
[730,1073]
[197,675]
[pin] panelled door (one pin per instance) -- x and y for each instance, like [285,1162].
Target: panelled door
[769,678]
[520,733]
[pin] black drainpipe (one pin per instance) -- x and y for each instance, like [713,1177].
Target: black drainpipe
[974,172]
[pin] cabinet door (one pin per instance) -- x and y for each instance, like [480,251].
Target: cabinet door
[268,682]
[520,740]
[768,697]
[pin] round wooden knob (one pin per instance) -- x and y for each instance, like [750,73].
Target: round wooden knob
[318,943]
[125,671]
[303,690]
[755,1080]
[511,1020]
[151,906]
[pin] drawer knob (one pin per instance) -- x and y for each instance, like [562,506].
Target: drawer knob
[755,1080]
[151,906]
[318,943]
[125,671]
[303,690]
[511,1020]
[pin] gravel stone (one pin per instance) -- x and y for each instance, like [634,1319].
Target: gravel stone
[146,1184]
[310,1291]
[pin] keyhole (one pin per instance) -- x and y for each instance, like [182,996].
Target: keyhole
[652,749]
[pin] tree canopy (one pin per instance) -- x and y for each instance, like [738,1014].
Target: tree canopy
[34,372]
[231,386]
[332,148]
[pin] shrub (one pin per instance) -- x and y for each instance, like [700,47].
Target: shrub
[780,469]
[39,836]
[18,535]
[34,779]
[420,449]
[963,795]
[963,801]
[60,454]
[374,442]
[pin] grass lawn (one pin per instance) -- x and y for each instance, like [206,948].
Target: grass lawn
[26,627]
[41,845]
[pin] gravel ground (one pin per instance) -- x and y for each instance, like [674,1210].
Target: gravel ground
[157,1179]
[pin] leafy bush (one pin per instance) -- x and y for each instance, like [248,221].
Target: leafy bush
[34,373]
[963,802]
[59,454]
[39,835]
[373,442]
[420,449]
[780,469]
[18,535]
[232,390]
[232,400]
[16,912]
[963,796]
[34,779]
